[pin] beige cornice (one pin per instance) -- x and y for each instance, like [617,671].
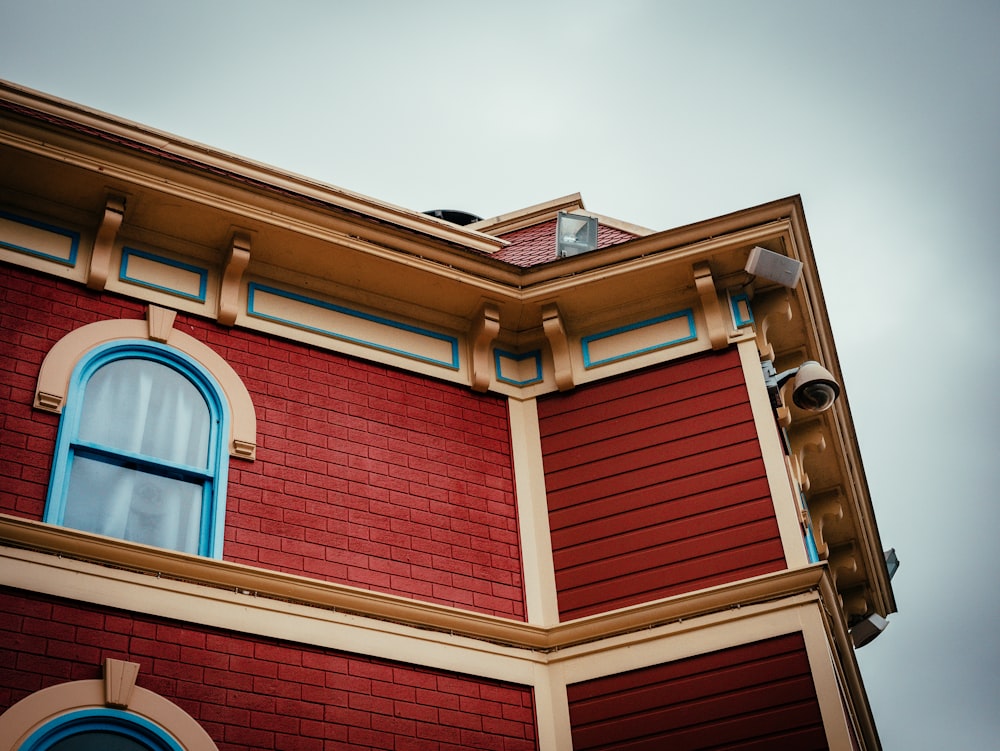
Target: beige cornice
[166,564]
[529,216]
[223,164]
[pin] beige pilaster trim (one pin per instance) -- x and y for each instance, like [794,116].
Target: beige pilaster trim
[533,514]
[826,679]
[57,369]
[786,503]
[100,258]
[847,662]
[555,731]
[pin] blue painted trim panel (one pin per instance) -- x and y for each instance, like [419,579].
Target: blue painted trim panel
[738,318]
[499,355]
[254,287]
[202,274]
[73,236]
[691,335]
[116,721]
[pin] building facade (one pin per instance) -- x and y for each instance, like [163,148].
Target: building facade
[286,467]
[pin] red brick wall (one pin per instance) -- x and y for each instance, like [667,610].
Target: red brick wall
[656,485]
[255,693]
[364,475]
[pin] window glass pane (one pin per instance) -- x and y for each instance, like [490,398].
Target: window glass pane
[133,505]
[98,740]
[148,408]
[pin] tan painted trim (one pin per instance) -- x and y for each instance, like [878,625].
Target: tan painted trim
[825,678]
[549,660]
[57,368]
[39,708]
[786,504]
[223,163]
[172,568]
[529,216]
[533,514]
[847,662]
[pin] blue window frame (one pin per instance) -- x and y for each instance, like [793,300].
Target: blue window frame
[141,450]
[100,730]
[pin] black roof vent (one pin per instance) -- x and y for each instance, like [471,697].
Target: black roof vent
[461,218]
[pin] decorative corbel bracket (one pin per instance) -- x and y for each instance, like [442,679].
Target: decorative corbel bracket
[844,566]
[100,259]
[119,682]
[768,311]
[718,332]
[825,508]
[555,332]
[484,332]
[807,438]
[237,260]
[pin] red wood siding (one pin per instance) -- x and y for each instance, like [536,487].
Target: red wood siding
[364,475]
[656,486]
[756,697]
[256,693]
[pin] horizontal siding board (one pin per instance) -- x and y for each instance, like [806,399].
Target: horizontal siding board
[622,467]
[698,465]
[754,696]
[691,377]
[652,539]
[780,676]
[577,429]
[647,478]
[622,438]
[579,525]
[675,498]
[593,597]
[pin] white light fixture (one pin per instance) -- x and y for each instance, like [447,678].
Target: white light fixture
[575,234]
[813,390]
[866,631]
[774,267]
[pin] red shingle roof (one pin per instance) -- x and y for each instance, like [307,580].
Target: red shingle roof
[531,246]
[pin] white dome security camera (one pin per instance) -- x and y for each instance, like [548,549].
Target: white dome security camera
[814,389]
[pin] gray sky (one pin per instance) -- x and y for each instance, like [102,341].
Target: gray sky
[884,116]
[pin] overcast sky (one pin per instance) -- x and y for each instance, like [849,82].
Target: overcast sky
[884,116]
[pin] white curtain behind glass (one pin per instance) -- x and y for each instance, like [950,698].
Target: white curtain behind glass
[143,407]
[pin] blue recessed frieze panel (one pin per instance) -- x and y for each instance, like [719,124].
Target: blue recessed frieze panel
[352,326]
[163,274]
[522,369]
[38,239]
[740,306]
[639,338]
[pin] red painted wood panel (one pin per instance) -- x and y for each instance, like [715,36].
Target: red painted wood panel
[656,485]
[755,696]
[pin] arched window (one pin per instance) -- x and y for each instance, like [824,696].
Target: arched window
[100,730]
[141,451]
